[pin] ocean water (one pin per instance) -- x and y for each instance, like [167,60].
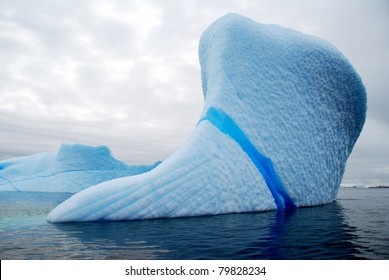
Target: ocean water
[355,226]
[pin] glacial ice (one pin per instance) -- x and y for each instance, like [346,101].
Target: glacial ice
[282,113]
[73,168]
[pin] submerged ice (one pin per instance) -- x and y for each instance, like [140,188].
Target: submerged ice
[282,113]
[73,168]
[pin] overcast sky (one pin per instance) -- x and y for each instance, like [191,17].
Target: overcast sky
[125,73]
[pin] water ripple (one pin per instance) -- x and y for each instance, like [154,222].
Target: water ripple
[351,228]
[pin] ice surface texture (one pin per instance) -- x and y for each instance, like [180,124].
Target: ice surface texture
[73,168]
[282,113]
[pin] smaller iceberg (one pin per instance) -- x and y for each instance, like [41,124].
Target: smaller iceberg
[73,168]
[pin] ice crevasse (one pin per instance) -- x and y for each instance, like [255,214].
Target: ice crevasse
[282,113]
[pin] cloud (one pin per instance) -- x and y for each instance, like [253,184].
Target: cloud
[126,73]
[368,163]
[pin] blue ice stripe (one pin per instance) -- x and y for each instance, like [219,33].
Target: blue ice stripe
[9,183]
[227,125]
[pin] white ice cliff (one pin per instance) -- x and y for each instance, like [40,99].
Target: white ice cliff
[73,168]
[282,113]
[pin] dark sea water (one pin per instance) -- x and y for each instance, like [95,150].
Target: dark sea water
[356,226]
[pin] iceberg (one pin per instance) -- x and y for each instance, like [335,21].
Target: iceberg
[282,113]
[73,168]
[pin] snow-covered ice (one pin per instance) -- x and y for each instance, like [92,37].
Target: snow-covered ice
[73,168]
[282,113]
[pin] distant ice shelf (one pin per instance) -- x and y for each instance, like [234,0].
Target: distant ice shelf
[364,187]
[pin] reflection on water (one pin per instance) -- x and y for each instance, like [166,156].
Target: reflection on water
[310,233]
[307,233]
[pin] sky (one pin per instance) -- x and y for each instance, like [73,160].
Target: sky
[126,74]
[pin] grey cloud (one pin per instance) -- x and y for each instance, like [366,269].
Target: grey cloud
[369,161]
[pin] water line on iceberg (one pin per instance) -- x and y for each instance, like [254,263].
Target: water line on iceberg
[264,165]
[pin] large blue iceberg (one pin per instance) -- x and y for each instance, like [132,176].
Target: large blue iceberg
[282,113]
[73,168]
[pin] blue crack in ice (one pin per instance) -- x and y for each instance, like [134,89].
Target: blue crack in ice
[227,125]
